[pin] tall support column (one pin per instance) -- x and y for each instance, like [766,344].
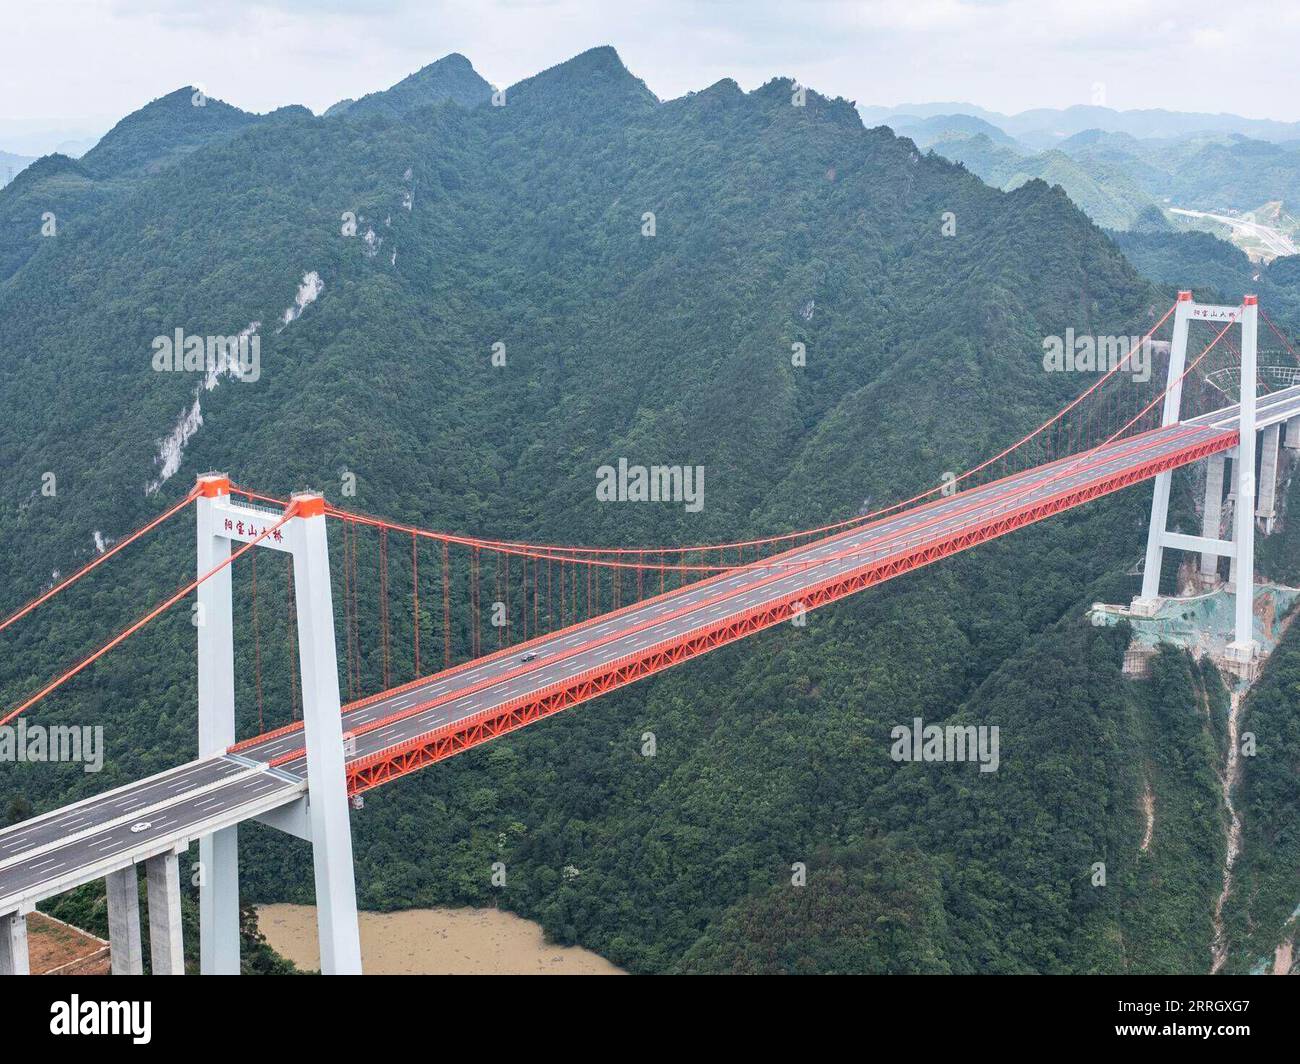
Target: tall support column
[218,852]
[1230,504]
[124,922]
[1160,500]
[1292,441]
[14,957]
[166,953]
[1212,516]
[1242,648]
[1268,455]
[331,834]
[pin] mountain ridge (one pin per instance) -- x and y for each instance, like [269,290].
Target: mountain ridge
[452,77]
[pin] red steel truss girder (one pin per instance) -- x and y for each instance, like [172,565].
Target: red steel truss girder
[410,755]
[510,652]
[1084,462]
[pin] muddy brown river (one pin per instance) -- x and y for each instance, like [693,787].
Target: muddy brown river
[435,942]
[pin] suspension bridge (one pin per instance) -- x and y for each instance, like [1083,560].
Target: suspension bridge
[571,623]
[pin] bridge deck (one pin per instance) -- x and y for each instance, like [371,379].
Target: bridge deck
[142,819]
[1270,409]
[439,715]
[402,730]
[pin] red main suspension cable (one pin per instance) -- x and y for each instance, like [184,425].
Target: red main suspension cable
[129,631]
[506,546]
[97,561]
[566,551]
[1278,333]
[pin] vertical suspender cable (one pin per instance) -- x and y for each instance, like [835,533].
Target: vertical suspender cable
[257,650]
[383,599]
[292,638]
[446,605]
[415,599]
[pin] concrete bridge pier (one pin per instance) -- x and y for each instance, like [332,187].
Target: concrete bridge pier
[1241,651]
[124,921]
[166,951]
[1148,601]
[331,829]
[1266,510]
[1212,518]
[166,948]
[303,538]
[1292,441]
[14,958]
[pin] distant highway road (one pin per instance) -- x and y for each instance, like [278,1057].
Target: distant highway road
[1274,240]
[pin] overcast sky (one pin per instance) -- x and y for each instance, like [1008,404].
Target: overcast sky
[74,67]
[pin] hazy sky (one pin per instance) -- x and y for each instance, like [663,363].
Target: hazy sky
[73,67]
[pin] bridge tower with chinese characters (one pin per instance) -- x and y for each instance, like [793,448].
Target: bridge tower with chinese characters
[221,522]
[1242,652]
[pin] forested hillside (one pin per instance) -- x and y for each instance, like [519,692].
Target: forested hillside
[647,266]
[56,192]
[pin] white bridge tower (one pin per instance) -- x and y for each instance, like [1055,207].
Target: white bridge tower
[221,522]
[1241,652]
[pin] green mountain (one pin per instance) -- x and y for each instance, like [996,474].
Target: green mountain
[160,132]
[647,266]
[450,78]
[1206,264]
[52,192]
[56,192]
[926,132]
[1104,190]
[1116,177]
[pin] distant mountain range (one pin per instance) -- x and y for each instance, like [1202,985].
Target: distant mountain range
[1129,169]
[1045,127]
[11,165]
